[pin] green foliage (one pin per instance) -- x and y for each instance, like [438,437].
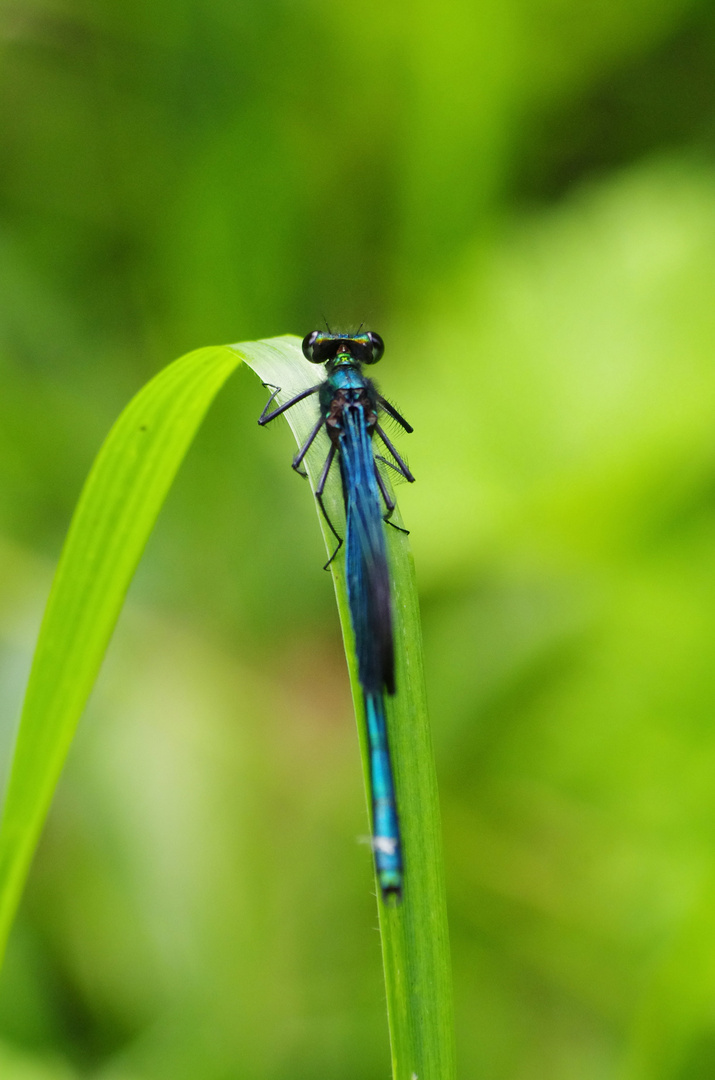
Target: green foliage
[520,197]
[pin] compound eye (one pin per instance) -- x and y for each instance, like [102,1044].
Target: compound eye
[308,343]
[378,347]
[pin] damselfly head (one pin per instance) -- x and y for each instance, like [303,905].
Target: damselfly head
[319,347]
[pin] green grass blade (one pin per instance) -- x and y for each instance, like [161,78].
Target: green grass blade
[114,517]
[414,935]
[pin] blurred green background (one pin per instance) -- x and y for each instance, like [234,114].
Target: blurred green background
[520,196]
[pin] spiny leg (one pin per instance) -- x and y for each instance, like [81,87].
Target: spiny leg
[263,419]
[306,447]
[276,390]
[394,413]
[389,501]
[319,496]
[390,465]
[403,466]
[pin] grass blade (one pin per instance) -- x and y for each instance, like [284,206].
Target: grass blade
[414,935]
[114,517]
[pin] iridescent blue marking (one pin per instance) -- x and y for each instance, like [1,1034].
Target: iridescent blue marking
[349,409]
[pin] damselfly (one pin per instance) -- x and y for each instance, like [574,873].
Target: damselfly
[349,411]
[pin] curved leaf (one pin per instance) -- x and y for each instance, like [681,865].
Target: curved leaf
[115,514]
